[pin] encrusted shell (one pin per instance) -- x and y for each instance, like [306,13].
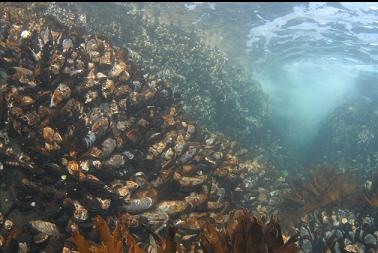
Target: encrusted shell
[173,207]
[108,146]
[138,205]
[80,212]
[62,92]
[45,227]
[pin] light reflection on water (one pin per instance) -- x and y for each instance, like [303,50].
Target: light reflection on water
[310,61]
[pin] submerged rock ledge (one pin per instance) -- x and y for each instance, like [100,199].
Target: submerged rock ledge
[87,132]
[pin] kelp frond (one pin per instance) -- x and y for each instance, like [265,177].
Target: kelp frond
[114,242]
[110,242]
[246,234]
[324,186]
[370,195]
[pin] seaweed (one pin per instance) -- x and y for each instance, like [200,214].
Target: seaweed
[246,233]
[114,242]
[324,187]
[370,196]
[111,242]
[133,246]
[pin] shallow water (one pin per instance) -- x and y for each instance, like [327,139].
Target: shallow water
[310,61]
[189,110]
[310,58]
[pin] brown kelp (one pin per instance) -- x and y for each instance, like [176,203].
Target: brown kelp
[246,233]
[324,186]
[370,193]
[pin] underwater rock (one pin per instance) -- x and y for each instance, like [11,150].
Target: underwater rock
[93,132]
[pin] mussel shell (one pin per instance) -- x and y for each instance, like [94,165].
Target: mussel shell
[89,139]
[91,203]
[108,146]
[155,218]
[45,227]
[138,205]
[173,207]
[40,238]
[115,162]
[92,183]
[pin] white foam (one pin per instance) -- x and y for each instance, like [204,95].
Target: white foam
[316,22]
[304,91]
[190,6]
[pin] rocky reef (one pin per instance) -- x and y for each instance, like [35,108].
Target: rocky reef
[88,131]
[216,90]
[91,130]
[348,137]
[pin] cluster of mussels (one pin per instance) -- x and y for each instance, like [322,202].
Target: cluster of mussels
[339,230]
[215,91]
[337,214]
[85,132]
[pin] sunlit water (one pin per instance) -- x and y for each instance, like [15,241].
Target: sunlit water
[309,61]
